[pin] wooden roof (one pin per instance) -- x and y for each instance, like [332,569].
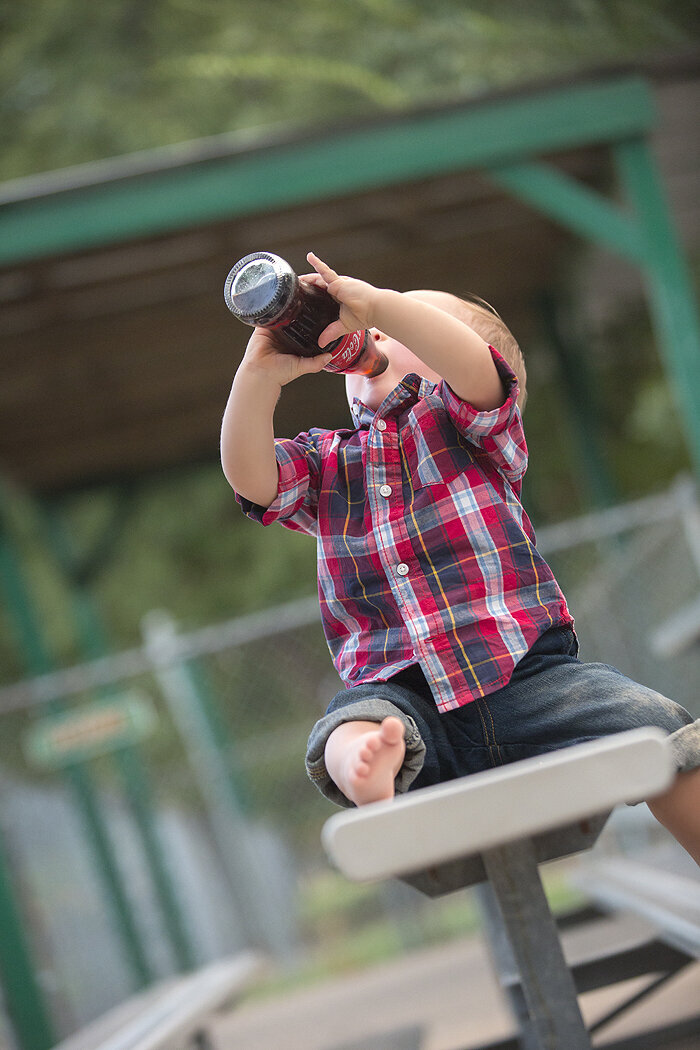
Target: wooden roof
[117,357]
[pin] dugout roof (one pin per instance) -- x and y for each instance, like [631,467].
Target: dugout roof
[117,350]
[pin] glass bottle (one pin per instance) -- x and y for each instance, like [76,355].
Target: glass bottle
[263,290]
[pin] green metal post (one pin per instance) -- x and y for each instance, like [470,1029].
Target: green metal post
[131,770]
[23,995]
[25,1003]
[583,405]
[220,734]
[210,767]
[36,656]
[137,959]
[673,303]
[139,795]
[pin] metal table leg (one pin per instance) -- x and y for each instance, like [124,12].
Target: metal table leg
[547,983]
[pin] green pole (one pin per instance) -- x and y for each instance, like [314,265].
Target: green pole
[133,775]
[23,995]
[139,795]
[673,304]
[25,1003]
[582,402]
[137,959]
[37,660]
[210,767]
[219,733]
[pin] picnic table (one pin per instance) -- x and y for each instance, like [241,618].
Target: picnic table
[495,829]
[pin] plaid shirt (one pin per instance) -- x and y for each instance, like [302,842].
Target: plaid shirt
[425,554]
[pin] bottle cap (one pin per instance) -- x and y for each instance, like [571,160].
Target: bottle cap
[257,288]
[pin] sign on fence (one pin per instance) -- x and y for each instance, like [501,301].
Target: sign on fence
[93,729]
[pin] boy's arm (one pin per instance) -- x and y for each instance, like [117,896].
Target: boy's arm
[247,435]
[443,342]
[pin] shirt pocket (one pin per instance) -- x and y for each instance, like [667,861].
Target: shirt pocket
[441,462]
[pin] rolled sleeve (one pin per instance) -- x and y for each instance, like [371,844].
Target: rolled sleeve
[499,431]
[685,746]
[296,502]
[370,708]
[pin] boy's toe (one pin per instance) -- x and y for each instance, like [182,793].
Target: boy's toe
[392,730]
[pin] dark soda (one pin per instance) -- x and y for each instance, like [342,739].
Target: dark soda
[263,290]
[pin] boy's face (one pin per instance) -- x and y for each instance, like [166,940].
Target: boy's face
[372,391]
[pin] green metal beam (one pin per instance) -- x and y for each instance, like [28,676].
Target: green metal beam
[333,163]
[671,294]
[641,230]
[583,210]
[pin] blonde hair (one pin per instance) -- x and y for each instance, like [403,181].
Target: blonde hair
[479,315]
[488,323]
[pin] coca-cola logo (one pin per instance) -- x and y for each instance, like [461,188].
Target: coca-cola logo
[348,349]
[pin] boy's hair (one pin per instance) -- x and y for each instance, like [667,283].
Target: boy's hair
[489,324]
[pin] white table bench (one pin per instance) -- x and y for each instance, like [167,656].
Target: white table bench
[657,887]
[173,1014]
[667,900]
[498,826]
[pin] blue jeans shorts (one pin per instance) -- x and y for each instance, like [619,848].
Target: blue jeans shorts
[552,700]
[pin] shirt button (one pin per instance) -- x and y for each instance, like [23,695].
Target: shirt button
[402,569]
[381,424]
[385,490]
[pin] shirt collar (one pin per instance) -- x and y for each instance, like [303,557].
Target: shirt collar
[410,389]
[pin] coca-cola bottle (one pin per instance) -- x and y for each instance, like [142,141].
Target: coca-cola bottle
[263,290]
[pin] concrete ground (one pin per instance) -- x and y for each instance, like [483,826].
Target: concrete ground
[444,998]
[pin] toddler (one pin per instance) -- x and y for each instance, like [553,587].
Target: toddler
[448,628]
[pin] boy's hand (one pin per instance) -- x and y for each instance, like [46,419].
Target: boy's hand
[356,299]
[263,356]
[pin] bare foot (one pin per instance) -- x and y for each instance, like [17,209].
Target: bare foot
[363,758]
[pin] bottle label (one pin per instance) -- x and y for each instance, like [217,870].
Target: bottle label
[346,350]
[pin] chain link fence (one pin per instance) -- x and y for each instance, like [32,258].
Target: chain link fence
[234,817]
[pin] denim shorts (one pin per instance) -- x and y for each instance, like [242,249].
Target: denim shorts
[552,700]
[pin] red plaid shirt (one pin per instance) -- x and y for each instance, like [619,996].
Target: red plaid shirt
[425,554]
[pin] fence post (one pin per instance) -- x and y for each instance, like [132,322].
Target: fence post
[232,831]
[89,630]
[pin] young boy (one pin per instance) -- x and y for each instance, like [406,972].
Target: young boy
[447,627]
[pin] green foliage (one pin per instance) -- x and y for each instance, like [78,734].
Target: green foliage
[81,81]
[164,555]
[197,565]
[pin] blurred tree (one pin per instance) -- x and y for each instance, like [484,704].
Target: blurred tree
[81,81]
